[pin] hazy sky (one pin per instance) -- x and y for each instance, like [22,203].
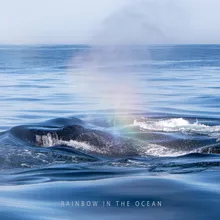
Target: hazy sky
[111,21]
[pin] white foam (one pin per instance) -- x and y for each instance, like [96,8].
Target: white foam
[178,125]
[80,146]
[161,151]
[50,140]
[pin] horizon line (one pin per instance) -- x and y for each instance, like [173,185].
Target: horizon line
[89,44]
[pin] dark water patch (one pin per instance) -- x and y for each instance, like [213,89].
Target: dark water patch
[180,198]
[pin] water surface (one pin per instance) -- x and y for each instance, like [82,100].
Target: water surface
[61,144]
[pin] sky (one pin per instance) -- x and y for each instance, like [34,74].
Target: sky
[109,21]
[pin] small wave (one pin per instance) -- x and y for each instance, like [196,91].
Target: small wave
[178,125]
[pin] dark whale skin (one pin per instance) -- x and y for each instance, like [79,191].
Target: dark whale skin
[104,142]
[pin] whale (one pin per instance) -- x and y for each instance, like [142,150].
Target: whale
[101,142]
[82,138]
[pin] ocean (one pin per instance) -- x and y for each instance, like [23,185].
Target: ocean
[116,133]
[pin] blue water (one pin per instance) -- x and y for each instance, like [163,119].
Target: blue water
[130,127]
